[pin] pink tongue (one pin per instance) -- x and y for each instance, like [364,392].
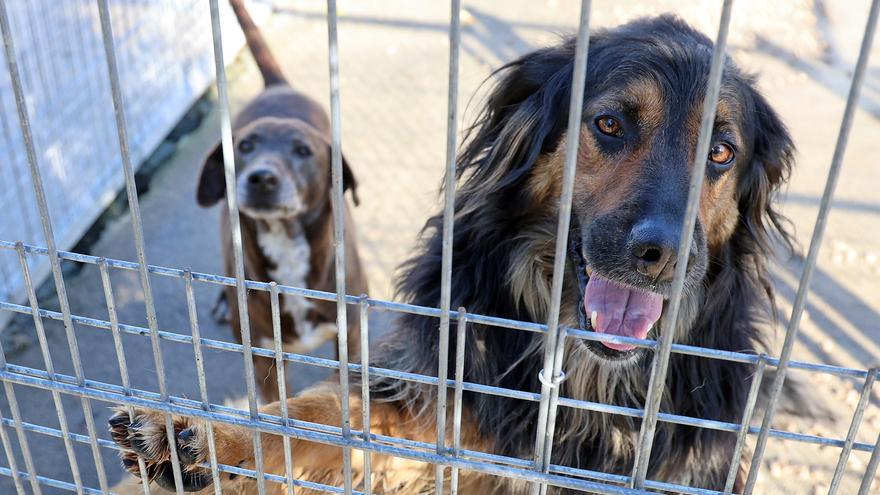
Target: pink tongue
[621,310]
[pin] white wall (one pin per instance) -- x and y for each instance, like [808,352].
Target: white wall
[165,57]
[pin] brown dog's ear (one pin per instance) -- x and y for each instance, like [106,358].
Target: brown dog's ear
[349,183]
[212,180]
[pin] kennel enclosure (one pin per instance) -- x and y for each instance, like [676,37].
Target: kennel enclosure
[446,454]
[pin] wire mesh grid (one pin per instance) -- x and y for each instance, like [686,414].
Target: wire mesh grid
[539,471]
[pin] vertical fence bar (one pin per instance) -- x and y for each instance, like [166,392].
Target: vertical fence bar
[137,228]
[657,383]
[745,424]
[447,240]
[815,242]
[460,337]
[93,443]
[235,228]
[364,307]
[110,302]
[338,202]
[19,432]
[554,342]
[871,469]
[282,382]
[200,372]
[50,366]
[7,446]
[853,431]
[442,376]
[10,456]
[54,260]
[55,263]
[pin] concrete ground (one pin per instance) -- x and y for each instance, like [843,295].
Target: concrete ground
[393,77]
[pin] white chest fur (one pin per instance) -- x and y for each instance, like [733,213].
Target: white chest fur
[290,254]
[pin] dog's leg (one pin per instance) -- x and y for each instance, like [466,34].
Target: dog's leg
[311,337]
[220,311]
[144,435]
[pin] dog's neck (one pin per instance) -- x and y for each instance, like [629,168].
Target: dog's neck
[296,252]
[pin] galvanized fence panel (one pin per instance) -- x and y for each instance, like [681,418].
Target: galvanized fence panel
[165,50]
[539,470]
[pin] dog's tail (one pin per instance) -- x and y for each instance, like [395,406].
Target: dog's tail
[266,62]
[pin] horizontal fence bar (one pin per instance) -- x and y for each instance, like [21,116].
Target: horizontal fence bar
[63,485]
[473,318]
[414,377]
[43,480]
[241,418]
[427,455]
[110,445]
[580,473]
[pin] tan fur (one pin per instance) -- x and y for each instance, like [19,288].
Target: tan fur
[316,462]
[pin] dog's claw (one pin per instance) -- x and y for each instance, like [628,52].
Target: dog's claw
[142,435]
[186,451]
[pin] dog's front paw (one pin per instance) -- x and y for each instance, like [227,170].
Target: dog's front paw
[144,435]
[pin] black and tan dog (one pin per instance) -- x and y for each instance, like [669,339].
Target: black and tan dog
[645,87]
[282,157]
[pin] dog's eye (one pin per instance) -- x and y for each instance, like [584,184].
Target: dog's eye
[721,154]
[609,126]
[246,146]
[302,150]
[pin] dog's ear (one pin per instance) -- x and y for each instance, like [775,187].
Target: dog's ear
[524,116]
[349,183]
[768,169]
[212,180]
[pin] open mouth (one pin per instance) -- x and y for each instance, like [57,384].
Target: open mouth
[613,308]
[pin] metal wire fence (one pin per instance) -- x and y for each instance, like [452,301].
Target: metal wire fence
[445,454]
[165,50]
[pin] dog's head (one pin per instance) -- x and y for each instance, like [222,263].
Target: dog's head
[282,169]
[646,82]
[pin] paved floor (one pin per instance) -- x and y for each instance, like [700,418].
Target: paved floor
[393,83]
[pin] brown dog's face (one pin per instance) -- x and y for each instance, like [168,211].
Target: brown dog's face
[282,169]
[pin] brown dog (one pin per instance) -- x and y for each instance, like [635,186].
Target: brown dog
[282,156]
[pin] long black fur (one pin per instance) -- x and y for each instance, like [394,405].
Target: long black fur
[524,117]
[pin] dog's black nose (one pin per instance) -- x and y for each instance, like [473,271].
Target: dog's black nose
[653,246]
[263,180]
